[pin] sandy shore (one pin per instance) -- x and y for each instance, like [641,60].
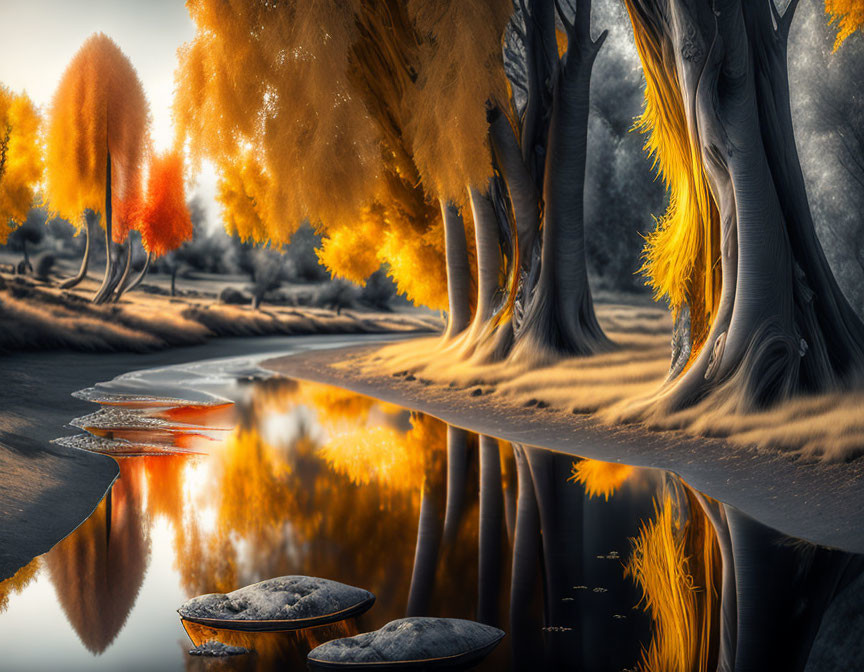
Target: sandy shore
[814,500]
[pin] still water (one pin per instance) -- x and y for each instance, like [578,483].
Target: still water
[227,479]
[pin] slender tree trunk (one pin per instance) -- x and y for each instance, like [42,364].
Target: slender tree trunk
[109,258]
[173,279]
[425,554]
[85,261]
[559,318]
[127,267]
[489,537]
[561,514]
[457,480]
[140,277]
[524,631]
[27,264]
[523,192]
[458,271]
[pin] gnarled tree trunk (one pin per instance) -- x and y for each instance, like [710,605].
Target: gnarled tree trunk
[782,325]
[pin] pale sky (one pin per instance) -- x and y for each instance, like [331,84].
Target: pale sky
[41,36]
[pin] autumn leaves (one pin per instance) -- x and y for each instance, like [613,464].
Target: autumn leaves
[95,150]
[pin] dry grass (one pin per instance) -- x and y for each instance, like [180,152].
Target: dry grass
[38,316]
[608,386]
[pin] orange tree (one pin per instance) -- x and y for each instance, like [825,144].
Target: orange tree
[163,217]
[97,137]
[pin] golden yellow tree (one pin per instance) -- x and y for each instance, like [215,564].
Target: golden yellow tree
[97,137]
[20,159]
[302,109]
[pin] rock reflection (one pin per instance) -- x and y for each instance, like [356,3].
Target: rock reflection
[269,650]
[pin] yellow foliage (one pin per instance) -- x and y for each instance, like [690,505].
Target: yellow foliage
[311,113]
[242,192]
[460,71]
[676,562]
[98,107]
[601,479]
[20,159]
[682,255]
[847,16]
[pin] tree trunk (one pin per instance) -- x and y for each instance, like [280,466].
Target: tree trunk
[524,631]
[127,267]
[523,192]
[85,262]
[27,264]
[783,589]
[425,554]
[173,279]
[140,277]
[559,317]
[457,480]
[782,325]
[560,506]
[716,513]
[109,258]
[489,537]
[458,271]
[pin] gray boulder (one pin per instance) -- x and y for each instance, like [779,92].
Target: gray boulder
[283,603]
[411,643]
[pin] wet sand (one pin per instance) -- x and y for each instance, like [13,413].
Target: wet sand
[47,490]
[816,501]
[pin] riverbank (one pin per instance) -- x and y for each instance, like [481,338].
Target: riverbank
[38,316]
[815,500]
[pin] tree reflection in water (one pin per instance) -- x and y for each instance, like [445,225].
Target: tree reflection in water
[586,564]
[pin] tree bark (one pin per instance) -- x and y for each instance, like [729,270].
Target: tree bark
[457,480]
[425,554]
[560,506]
[458,271]
[489,537]
[109,258]
[85,261]
[525,634]
[782,324]
[173,279]
[127,267]
[140,277]
[523,192]
[559,317]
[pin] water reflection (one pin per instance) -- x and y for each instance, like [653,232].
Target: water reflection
[587,565]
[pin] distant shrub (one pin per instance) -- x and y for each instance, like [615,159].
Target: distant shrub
[379,291]
[44,265]
[336,295]
[232,296]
